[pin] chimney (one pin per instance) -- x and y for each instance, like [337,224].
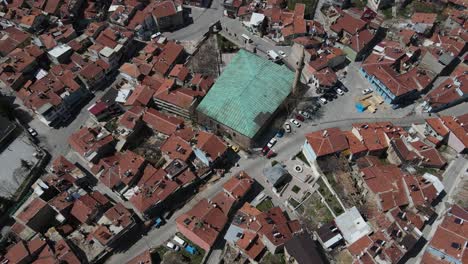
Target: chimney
[297,77]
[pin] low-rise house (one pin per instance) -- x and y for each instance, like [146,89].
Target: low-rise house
[92,75]
[253,232]
[239,185]
[448,245]
[276,175]
[168,14]
[54,97]
[352,226]
[323,143]
[157,188]
[17,68]
[11,39]
[162,123]
[129,126]
[385,184]
[328,235]
[205,221]
[423,22]
[358,35]
[401,151]
[89,206]
[23,252]
[452,91]
[92,143]
[141,95]
[177,100]
[209,148]
[180,73]
[114,225]
[36,214]
[376,136]
[120,171]
[176,147]
[458,136]
[394,75]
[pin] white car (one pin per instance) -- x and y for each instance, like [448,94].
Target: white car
[304,114]
[172,246]
[366,91]
[323,100]
[280,52]
[272,142]
[339,91]
[32,132]
[287,127]
[295,122]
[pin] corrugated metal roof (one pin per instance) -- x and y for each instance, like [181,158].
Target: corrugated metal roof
[249,90]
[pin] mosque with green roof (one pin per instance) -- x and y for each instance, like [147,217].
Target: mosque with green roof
[246,97]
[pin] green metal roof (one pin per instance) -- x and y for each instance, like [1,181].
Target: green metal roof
[247,93]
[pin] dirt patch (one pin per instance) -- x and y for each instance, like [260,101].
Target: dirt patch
[206,60]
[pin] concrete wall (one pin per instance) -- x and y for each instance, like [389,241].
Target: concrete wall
[309,152]
[455,143]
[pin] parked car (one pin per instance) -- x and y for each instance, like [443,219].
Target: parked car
[179,241]
[172,246]
[235,148]
[342,87]
[32,132]
[280,133]
[300,117]
[271,153]
[265,150]
[158,222]
[366,91]
[280,52]
[323,100]
[287,127]
[272,142]
[339,91]
[295,122]
[304,114]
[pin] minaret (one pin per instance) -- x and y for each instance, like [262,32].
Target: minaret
[297,77]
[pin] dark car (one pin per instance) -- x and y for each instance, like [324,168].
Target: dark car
[300,117]
[265,150]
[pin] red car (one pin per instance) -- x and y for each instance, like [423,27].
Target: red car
[271,154]
[300,117]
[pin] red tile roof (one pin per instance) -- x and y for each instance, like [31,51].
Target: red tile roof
[168,57]
[143,258]
[142,95]
[424,18]
[239,185]
[177,148]
[130,119]
[88,205]
[154,187]
[18,253]
[458,126]
[121,168]
[161,122]
[348,23]
[131,70]
[431,156]
[86,140]
[360,246]
[30,210]
[251,244]
[328,141]
[180,72]
[438,126]
[164,9]
[206,220]
[211,144]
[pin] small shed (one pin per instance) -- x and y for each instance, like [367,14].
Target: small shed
[276,175]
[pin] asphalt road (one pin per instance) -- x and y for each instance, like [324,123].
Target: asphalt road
[202,19]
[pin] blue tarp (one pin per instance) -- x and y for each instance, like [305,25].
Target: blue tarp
[360,107]
[191,250]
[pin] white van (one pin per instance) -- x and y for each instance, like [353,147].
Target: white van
[273,55]
[179,241]
[247,38]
